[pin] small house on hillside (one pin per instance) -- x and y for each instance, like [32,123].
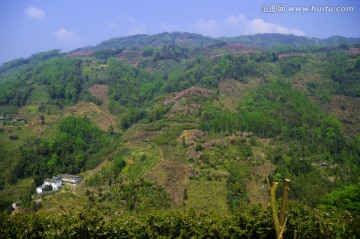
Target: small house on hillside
[57,182]
[70,179]
[54,182]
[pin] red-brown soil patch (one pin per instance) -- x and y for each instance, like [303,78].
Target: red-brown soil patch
[354,50]
[100,92]
[190,91]
[99,116]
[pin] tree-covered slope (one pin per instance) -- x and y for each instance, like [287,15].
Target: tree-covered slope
[273,40]
[179,120]
[190,40]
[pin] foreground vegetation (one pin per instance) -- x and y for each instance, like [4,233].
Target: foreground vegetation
[249,222]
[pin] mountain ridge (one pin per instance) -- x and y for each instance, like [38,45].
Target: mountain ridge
[194,40]
[202,41]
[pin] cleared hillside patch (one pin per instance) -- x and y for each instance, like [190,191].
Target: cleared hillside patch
[255,186]
[172,176]
[99,116]
[100,92]
[62,202]
[207,196]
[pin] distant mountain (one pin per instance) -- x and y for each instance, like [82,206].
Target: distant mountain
[338,40]
[193,40]
[271,40]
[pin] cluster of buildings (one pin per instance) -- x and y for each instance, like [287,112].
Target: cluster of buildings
[57,182]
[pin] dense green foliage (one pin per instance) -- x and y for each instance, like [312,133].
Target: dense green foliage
[62,76]
[276,110]
[285,43]
[130,86]
[236,186]
[346,72]
[347,198]
[248,223]
[74,149]
[278,42]
[14,88]
[209,72]
[186,39]
[29,62]
[173,52]
[139,196]
[269,110]
[291,66]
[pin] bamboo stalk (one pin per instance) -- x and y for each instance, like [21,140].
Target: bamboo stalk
[279,223]
[273,205]
[284,201]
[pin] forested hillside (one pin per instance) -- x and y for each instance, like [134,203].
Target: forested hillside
[175,135]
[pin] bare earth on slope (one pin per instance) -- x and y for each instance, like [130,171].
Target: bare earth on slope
[100,91]
[173,176]
[99,116]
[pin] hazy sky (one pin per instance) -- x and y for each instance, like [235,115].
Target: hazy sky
[30,26]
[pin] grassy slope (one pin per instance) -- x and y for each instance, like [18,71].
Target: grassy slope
[207,196]
[63,201]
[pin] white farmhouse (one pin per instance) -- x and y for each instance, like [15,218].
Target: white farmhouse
[54,182]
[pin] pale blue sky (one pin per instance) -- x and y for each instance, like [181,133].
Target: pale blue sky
[30,26]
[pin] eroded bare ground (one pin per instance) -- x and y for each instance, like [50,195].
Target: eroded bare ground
[107,119]
[347,110]
[256,187]
[100,91]
[172,176]
[100,116]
